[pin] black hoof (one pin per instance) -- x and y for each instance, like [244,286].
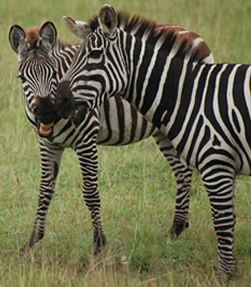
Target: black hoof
[99,243]
[25,249]
[177,229]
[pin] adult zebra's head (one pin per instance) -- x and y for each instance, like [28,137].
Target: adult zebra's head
[37,70]
[99,68]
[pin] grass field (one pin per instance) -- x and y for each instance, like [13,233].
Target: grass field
[136,185]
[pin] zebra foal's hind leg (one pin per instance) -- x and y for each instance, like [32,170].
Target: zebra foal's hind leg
[183,176]
[88,160]
[50,162]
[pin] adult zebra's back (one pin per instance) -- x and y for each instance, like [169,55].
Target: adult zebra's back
[204,109]
[43,60]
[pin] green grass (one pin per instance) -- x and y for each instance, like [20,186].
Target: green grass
[136,185]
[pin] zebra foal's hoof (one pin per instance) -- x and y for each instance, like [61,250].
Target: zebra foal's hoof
[99,243]
[177,229]
[25,249]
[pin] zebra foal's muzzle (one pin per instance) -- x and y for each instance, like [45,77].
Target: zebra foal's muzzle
[66,106]
[46,116]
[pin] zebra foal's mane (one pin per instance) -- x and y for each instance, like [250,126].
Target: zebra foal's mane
[33,39]
[32,35]
[140,27]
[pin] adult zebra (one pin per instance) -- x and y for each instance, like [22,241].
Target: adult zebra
[42,61]
[204,109]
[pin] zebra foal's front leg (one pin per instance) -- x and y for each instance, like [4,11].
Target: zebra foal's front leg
[50,162]
[88,160]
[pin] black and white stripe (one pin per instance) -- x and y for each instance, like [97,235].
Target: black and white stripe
[115,122]
[203,109]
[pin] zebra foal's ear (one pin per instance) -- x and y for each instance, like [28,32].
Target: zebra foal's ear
[17,39]
[78,28]
[48,34]
[108,19]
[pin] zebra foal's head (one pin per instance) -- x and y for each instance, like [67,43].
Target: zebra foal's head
[37,70]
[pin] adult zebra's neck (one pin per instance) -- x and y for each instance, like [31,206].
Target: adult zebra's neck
[156,74]
[63,53]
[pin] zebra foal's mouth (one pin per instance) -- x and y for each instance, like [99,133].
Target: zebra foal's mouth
[46,116]
[45,129]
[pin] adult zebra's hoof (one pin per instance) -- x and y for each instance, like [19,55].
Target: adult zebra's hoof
[99,243]
[226,272]
[176,229]
[225,277]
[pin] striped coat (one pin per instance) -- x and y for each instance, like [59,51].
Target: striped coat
[41,65]
[203,109]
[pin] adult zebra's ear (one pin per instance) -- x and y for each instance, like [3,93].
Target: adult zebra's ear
[48,34]
[17,39]
[78,28]
[108,19]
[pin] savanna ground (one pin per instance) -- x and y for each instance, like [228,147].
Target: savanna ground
[136,184]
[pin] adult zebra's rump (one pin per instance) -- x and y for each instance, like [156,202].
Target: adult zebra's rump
[203,109]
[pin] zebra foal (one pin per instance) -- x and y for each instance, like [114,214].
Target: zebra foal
[42,61]
[204,109]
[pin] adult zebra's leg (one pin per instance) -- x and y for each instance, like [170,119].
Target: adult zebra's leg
[50,156]
[219,182]
[183,176]
[88,160]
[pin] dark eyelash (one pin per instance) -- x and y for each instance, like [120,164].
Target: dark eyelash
[22,78]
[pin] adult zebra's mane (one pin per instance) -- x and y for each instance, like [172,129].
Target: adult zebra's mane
[128,23]
[140,26]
